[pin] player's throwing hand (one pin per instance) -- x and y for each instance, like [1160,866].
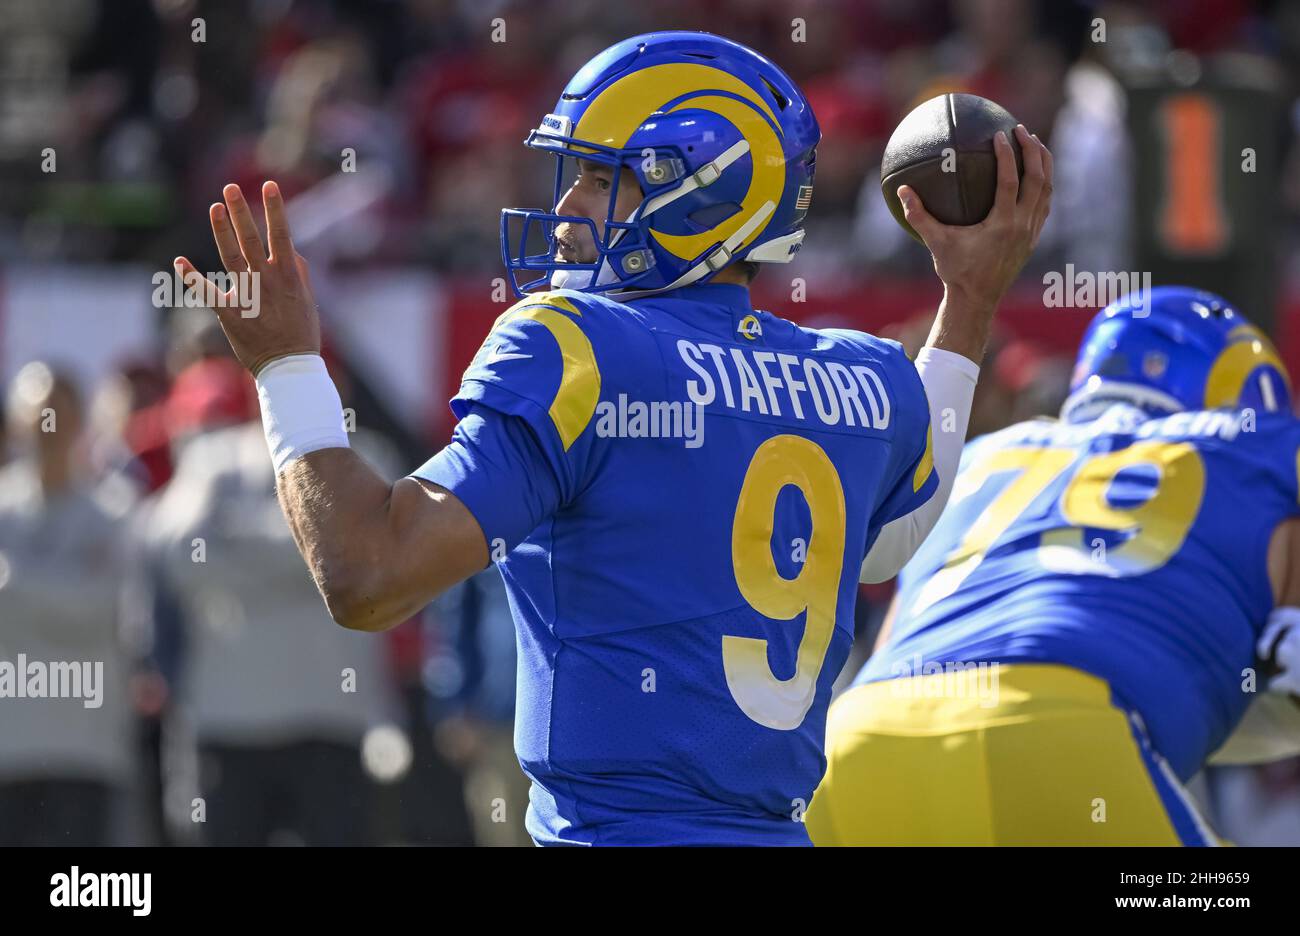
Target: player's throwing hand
[978,262]
[284,319]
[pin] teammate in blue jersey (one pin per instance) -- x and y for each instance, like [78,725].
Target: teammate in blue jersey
[681,492]
[1079,633]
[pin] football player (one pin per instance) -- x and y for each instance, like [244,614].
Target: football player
[680,491]
[1079,633]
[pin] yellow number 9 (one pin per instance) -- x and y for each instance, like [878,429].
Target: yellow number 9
[780,461]
[1158,525]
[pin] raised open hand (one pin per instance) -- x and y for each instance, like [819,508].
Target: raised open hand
[271,313]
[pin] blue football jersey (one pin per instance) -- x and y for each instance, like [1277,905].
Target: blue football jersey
[679,492]
[1130,547]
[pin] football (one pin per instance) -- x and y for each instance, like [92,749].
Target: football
[943,149]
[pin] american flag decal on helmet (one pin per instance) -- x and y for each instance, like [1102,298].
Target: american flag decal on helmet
[805,198]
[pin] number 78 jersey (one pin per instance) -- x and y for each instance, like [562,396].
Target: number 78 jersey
[680,492]
[1131,548]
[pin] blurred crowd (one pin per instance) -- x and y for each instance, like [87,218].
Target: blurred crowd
[148,114]
[142,530]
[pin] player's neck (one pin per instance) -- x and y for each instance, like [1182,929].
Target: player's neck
[732,275]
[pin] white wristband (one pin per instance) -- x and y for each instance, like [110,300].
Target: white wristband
[301,410]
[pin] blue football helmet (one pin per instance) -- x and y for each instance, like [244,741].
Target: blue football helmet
[721,141]
[1175,349]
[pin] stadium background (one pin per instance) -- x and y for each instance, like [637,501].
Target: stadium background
[394,127]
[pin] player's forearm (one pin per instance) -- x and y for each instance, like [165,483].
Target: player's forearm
[337,508]
[378,552]
[962,326]
[335,504]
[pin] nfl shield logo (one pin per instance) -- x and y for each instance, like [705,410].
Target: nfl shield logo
[1154,365]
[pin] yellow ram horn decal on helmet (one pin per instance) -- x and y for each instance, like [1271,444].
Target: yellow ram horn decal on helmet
[1249,349]
[620,109]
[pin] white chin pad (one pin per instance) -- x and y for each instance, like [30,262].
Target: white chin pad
[570,279]
[563,278]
